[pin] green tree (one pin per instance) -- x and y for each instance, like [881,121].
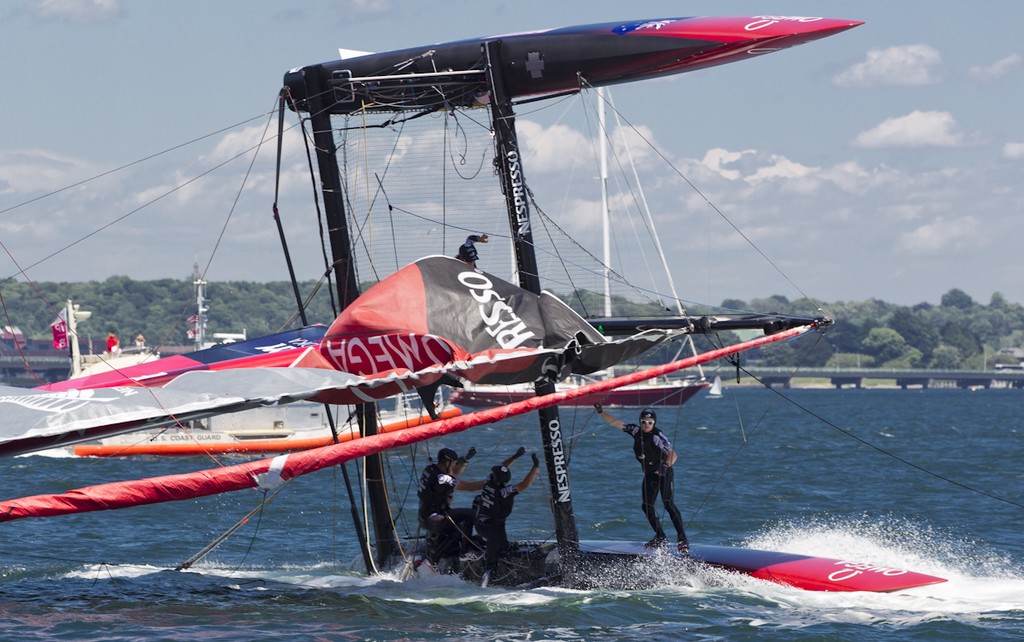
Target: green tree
[915,330]
[958,336]
[945,357]
[884,344]
[957,298]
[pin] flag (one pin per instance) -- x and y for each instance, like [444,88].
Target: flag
[60,331]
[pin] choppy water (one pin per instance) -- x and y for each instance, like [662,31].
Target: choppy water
[759,471]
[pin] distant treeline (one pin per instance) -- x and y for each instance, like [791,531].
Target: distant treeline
[958,333]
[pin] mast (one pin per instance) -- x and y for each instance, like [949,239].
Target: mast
[508,163]
[200,324]
[73,316]
[347,290]
[605,214]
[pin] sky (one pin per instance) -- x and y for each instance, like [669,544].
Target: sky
[884,162]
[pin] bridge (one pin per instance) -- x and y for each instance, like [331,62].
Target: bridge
[922,378]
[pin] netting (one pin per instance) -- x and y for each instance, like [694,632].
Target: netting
[419,184]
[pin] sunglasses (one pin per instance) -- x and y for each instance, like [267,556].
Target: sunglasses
[647,421]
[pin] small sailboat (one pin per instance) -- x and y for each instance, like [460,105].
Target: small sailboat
[715,391]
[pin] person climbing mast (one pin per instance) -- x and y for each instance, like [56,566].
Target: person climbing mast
[467,251]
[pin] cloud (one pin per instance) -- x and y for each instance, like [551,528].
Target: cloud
[29,172]
[941,235]
[996,70]
[781,168]
[1013,151]
[720,161]
[77,11]
[916,129]
[557,147]
[903,65]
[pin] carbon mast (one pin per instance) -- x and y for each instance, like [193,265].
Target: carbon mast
[508,162]
[319,101]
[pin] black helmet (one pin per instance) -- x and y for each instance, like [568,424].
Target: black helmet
[647,413]
[501,474]
[446,454]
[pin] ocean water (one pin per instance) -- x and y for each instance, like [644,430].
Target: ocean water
[930,480]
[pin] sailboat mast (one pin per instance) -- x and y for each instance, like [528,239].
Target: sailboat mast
[347,291]
[605,214]
[508,162]
[200,323]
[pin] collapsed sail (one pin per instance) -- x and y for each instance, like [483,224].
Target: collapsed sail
[439,308]
[270,472]
[434,318]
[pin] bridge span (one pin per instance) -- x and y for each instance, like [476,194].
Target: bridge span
[922,378]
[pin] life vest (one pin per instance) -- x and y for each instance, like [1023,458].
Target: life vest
[649,448]
[494,503]
[435,490]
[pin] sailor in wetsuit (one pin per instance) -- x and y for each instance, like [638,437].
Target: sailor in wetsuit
[493,506]
[655,453]
[467,251]
[449,529]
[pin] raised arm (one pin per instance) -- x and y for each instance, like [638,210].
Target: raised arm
[519,453]
[460,465]
[609,419]
[470,485]
[530,476]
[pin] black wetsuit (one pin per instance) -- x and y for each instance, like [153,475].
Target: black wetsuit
[493,506]
[449,529]
[467,251]
[650,449]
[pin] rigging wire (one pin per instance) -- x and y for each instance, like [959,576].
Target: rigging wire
[718,211]
[893,455]
[130,164]
[220,539]
[844,431]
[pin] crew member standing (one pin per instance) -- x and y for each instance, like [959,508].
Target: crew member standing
[656,456]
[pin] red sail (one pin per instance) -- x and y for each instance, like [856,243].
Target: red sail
[270,472]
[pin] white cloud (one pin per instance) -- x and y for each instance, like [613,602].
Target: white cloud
[718,159]
[77,11]
[1013,151]
[780,167]
[916,129]
[997,69]
[26,172]
[941,235]
[558,147]
[902,65]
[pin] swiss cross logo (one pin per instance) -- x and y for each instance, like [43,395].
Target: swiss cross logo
[535,64]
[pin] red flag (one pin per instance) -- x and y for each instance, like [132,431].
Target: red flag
[60,331]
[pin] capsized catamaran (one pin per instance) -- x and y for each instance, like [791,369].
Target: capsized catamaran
[439,321]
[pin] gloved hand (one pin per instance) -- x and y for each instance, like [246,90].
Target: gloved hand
[470,453]
[519,453]
[598,408]
[536,462]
